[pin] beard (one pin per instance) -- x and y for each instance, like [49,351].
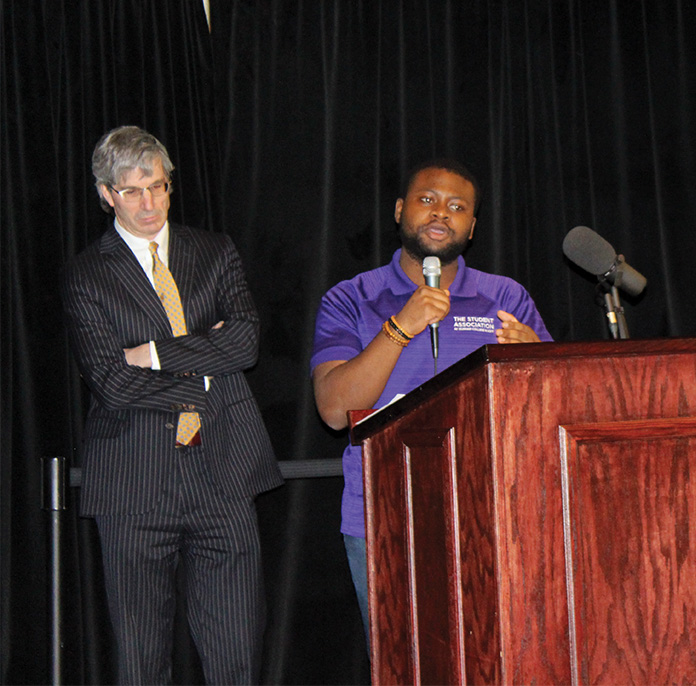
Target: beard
[411,242]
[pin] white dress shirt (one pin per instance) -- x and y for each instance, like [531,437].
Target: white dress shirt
[141,249]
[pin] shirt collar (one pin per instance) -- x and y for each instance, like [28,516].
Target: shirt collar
[137,244]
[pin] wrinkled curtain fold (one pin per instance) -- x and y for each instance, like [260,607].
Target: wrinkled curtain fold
[292,125]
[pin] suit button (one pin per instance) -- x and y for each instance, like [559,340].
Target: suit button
[169,426]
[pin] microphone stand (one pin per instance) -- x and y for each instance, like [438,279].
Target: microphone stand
[614,310]
[620,316]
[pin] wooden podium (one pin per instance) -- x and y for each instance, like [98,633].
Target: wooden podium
[531,518]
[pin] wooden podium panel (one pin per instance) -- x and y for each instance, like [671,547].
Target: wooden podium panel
[629,505]
[530,518]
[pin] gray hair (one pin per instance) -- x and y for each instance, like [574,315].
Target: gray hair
[122,150]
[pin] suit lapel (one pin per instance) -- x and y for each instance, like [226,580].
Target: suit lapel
[120,259]
[182,264]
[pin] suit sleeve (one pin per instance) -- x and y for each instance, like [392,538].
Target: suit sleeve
[216,352]
[99,329]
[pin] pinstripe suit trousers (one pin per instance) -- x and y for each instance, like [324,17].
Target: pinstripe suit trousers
[216,540]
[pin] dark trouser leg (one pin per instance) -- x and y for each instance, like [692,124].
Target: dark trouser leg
[216,539]
[224,590]
[139,568]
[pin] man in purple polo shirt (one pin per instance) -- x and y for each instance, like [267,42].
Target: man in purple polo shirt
[371,341]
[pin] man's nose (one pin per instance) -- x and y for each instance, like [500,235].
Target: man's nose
[440,209]
[147,200]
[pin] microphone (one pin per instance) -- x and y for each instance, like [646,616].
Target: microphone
[431,272]
[589,251]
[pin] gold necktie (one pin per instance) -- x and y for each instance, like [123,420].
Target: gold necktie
[189,422]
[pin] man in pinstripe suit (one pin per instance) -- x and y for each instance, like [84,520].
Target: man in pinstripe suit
[159,499]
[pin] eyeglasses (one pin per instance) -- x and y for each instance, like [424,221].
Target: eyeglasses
[134,194]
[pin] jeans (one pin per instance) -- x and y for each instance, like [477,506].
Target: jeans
[357,560]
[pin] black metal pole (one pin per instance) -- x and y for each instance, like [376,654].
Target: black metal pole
[611,315]
[616,318]
[53,500]
[620,315]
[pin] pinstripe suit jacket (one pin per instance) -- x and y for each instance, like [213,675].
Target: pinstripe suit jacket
[131,426]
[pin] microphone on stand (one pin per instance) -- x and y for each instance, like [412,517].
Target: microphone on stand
[592,253]
[432,271]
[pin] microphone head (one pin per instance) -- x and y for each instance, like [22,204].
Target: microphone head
[432,272]
[592,253]
[589,250]
[431,267]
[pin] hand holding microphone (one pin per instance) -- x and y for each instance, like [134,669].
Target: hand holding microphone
[432,271]
[426,307]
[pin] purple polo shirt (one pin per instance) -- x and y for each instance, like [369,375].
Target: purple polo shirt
[352,312]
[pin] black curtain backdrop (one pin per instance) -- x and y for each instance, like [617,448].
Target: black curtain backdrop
[292,124]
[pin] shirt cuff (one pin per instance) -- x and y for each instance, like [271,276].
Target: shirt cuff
[154,357]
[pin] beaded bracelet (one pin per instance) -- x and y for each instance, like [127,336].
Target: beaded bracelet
[387,331]
[399,329]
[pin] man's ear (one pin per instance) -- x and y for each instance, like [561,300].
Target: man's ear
[397,210]
[106,194]
[471,232]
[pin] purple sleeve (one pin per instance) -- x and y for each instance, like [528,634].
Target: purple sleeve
[518,302]
[336,335]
